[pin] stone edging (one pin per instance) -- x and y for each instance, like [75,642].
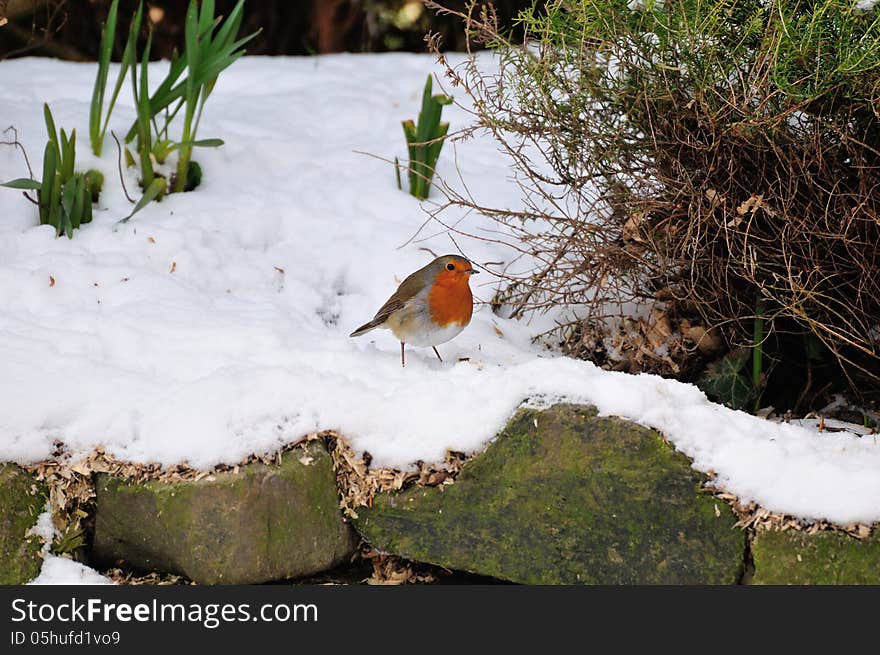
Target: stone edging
[72,486]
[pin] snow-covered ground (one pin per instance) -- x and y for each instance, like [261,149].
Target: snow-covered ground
[215,324]
[62,571]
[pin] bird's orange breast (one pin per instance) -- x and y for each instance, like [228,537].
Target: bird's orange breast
[450,299]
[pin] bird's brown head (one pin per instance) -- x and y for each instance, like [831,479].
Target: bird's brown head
[452,270]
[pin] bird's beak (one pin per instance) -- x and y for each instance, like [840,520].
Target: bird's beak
[473,271]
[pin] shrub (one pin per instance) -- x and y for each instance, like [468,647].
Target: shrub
[718,157]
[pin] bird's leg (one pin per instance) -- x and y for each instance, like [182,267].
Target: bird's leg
[436,353]
[402,356]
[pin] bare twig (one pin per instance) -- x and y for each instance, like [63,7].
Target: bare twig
[119,166]
[17,144]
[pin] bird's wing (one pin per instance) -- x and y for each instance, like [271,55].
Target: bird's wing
[393,304]
[405,294]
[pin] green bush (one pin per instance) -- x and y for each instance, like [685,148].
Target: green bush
[713,156]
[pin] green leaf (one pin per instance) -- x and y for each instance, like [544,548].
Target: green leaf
[107,37]
[436,146]
[727,381]
[217,62]
[50,124]
[87,213]
[65,226]
[193,58]
[68,196]
[50,163]
[144,115]
[161,149]
[206,16]
[429,115]
[191,36]
[205,60]
[199,143]
[54,204]
[128,61]
[23,183]
[68,155]
[156,189]
[79,200]
[165,93]
[65,155]
[228,31]
[425,140]
[409,131]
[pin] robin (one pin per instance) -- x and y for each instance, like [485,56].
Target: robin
[430,307]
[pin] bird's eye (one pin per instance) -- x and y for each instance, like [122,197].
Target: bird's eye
[450,267]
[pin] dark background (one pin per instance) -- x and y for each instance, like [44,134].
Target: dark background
[71,29]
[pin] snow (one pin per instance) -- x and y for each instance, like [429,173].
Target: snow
[44,529]
[215,324]
[60,570]
[864,6]
[655,5]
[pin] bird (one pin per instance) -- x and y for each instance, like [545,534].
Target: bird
[430,307]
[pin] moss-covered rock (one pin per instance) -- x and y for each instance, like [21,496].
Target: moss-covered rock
[22,499]
[798,558]
[564,497]
[259,524]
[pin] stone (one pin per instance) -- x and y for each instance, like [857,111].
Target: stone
[22,500]
[824,558]
[259,524]
[565,497]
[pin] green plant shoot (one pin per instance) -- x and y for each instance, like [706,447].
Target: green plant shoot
[425,140]
[141,96]
[758,352]
[207,54]
[97,126]
[64,196]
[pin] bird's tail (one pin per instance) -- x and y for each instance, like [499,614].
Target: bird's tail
[366,327]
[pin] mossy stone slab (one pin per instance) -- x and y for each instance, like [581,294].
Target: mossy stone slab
[565,497]
[824,558]
[22,499]
[259,524]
